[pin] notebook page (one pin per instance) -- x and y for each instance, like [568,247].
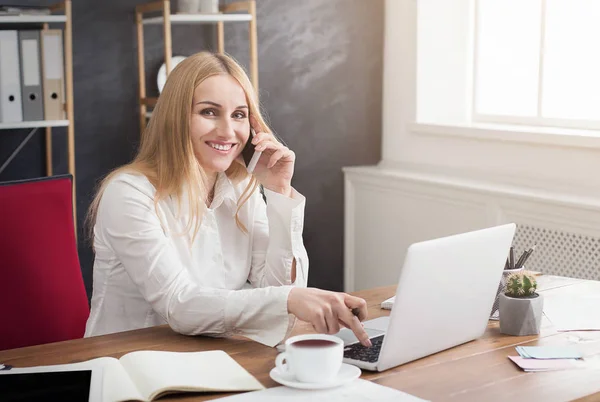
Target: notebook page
[155,372]
[118,387]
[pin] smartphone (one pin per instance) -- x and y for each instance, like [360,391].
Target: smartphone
[249,154]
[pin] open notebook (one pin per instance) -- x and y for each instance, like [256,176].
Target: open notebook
[148,375]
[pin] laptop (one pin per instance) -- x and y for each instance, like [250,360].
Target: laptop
[444,296]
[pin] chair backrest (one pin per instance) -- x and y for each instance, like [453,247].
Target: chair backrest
[43,298]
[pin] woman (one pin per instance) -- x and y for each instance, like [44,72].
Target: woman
[183,237]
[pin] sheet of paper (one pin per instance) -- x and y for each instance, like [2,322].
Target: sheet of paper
[545,365]
[358,390]
[549,352]
[573,313]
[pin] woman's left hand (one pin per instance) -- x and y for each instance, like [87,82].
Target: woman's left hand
[275,167]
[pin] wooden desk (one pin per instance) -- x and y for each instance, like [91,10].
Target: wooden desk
[476,371]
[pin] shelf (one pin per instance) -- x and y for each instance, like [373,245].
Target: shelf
[26,19]
[199,18]
[33,124]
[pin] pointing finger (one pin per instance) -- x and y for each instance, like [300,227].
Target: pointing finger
[351,321]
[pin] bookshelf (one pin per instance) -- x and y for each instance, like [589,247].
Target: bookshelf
[61,14]
[145,14]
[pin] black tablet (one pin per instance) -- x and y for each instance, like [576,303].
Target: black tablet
[51,384]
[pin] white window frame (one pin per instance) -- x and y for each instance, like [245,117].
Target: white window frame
[522,120]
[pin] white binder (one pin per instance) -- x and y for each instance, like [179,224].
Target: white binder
[52,74]
[31,75]
[11,109]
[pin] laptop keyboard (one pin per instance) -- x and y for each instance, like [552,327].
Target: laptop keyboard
[359,352]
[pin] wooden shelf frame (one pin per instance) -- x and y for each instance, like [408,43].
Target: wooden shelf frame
[229,13]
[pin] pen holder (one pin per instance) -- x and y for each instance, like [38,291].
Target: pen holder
[495,314]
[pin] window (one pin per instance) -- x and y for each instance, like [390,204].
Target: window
[536,62]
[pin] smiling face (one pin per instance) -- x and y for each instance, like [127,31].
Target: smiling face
[219,125]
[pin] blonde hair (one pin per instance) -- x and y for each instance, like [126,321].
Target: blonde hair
[166,156]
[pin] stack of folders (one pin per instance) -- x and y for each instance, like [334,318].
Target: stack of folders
[547,358]
[31,75]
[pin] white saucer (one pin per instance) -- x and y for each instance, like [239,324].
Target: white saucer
[346,374]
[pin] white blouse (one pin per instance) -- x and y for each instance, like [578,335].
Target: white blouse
[228,282]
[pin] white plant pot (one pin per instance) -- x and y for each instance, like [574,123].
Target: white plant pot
[209,6]
[188,6]
[494,315]
[521,316]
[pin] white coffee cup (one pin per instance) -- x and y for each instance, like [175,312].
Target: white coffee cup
[311,358]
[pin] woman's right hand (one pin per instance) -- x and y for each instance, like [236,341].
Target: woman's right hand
[326,310]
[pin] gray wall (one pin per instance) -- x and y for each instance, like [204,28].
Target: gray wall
[320,78]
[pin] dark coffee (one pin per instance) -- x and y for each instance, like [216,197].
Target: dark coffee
[314,343]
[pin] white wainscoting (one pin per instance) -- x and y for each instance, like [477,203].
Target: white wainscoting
[387,210]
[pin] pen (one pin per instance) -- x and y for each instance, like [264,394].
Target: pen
[512,258]
[521,259]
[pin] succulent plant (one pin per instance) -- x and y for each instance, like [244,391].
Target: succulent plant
[521,285]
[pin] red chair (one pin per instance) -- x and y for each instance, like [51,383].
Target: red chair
[42,295]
